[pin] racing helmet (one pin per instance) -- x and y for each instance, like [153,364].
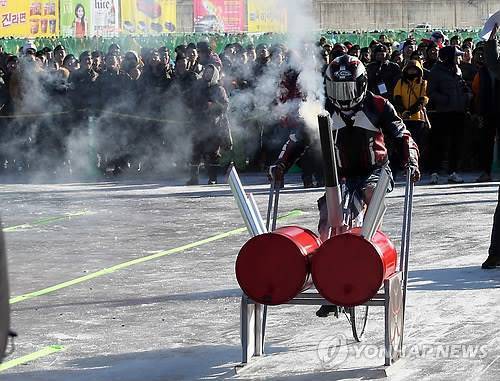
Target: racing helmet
[346,82]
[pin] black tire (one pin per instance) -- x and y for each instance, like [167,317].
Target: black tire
[358,317]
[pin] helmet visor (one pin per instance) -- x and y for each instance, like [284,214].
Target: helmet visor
[342,91]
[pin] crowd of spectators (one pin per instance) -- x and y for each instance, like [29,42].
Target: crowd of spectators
[139,111]
[444,90]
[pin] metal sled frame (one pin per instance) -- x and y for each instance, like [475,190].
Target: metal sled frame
[391,296]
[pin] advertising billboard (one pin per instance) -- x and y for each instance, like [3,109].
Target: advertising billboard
[81,18]
[148,16]
[219,16]
[75,18]
[266,16]
[29,18]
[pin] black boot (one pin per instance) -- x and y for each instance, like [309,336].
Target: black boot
[195,175]
[212,174]
[325,311]
[491,262]
[320,181]
[307,181]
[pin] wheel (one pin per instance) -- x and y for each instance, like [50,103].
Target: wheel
[358,316]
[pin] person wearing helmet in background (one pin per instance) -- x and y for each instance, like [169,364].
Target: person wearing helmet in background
[360,121]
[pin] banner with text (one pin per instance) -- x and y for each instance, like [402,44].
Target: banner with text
[219,16]
[29,18]
[149,16]
[267,16]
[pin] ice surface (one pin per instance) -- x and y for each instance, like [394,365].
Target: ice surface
[177,317]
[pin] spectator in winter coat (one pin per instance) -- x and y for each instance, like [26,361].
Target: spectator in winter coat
[410,99]
[469,70]
[382,74]
[409,46]
[365,56]
[432,54]
[211,133]
[492,93]
[397,58]
[486,87]
[455,41]
[83,82]
[450,96]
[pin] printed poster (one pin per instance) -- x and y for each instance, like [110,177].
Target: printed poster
[76,18]
[105,17]
[29,18]
[148,16]
[81,18]
[266,16]
[219,16]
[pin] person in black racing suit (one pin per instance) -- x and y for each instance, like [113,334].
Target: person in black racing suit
[360,121]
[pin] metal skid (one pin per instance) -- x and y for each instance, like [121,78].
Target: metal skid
[391,296]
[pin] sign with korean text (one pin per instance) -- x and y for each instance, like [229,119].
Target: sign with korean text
[29,18]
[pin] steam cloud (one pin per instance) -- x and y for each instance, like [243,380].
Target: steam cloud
[155,144]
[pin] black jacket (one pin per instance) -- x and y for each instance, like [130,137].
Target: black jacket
[447,90]
[490,80]
[387,73]
[83,88]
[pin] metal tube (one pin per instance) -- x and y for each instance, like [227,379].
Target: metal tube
[256,212]
[334,204]
[409,208]
[376,208]
[275,211]
[270,205]
[405,223]
[333,194]
[259,330]
[327,149]
[4,298]
[243,202]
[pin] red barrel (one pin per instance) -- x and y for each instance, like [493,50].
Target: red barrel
[273,268]
[348,270]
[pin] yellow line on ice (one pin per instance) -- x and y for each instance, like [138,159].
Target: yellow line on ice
[137,261]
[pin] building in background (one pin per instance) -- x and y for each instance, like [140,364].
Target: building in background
[402,14]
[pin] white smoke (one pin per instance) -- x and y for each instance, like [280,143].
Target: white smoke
[252,109]
[302,37]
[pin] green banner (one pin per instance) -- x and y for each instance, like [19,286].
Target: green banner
[171,40]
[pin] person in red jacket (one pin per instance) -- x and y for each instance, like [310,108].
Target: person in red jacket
[360,121]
